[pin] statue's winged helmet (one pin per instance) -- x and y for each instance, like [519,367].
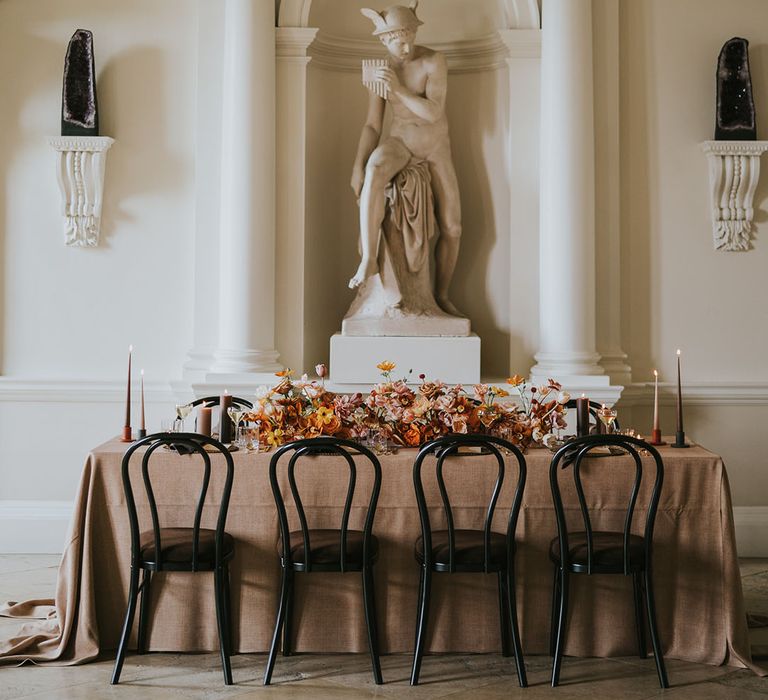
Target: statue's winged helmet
[393,19]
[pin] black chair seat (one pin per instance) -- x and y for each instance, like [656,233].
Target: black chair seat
[607,551]
[325,548]
[469,549]
[176,546]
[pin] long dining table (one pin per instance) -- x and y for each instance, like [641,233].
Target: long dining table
[698,589]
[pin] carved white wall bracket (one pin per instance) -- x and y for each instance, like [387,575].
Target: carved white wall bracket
[80,171]
[734,169]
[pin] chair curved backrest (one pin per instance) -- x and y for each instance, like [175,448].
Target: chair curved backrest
[572,455]
[325,445]
[186,445]
[594,407]
[216,400]
[450,446]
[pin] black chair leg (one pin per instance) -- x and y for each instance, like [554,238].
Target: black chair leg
[514,628]
[504,615]
[561,621]
[278,627]
[652,626]
[639,617]
[133,594]
[228,610]
[555,609]
[421,625]
[369,603]
[146,578]
[218,585]
[288,623]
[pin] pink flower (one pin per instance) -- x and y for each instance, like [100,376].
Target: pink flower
[321,370]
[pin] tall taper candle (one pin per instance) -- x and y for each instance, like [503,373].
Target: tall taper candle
[680,434]
[127,435]
[656,432]
[143,425]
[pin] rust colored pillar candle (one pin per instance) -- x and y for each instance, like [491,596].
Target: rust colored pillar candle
[225,422]
[204,420]
[582,416]
[127,433]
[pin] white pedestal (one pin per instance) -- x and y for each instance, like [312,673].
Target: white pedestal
[450,359]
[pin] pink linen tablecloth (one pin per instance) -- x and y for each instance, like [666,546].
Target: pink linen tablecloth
[698,588]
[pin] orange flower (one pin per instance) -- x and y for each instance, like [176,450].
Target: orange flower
[499,391]
[287,372]
[412,436]
[332,426]
[386,366]
[516,380]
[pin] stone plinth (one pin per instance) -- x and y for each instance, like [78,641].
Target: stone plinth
[452,360]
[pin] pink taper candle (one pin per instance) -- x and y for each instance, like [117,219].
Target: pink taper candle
[679,397]
[656,400]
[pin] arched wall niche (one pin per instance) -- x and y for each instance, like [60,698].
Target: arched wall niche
[486,67]
[512,14]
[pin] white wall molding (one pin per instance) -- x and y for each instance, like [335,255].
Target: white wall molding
[78,391]
[339,53]
[34,527]
[698,394]
[751,523]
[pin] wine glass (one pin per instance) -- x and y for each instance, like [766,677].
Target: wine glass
[607,416]
[236,413]
[182,411]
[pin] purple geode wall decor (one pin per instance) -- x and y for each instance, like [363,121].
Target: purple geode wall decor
[735,120]
[79,111]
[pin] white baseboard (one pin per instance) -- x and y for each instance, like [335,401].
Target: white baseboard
[751,530]
[34,527]
[40,527]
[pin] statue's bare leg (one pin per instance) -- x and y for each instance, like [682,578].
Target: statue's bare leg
[448,211]
[385,162]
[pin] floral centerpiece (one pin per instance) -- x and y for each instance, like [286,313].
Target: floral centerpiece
[406,415]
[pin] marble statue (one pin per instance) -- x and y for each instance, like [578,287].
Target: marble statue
[407,190]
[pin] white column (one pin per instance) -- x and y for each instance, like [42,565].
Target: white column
[567,205]
[291,225]
[247,216]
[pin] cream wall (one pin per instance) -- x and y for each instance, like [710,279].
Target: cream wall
[67,315]
[677,291]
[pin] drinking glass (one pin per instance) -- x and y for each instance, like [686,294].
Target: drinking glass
[182,411]
[249,437]
[607,416]
[236,413]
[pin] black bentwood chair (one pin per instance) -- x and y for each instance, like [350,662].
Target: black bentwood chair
[478,551]
[193,549]
[604,552]
[342,550]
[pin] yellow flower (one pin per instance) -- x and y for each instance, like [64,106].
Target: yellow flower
[324,415]
[287,372]
[499,391]
[275,437]
[386,366]
[516,380]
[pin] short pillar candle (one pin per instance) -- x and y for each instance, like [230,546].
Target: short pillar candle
[582,416]
[204,420]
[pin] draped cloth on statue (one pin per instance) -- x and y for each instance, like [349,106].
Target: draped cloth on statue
[399,299]
[412,212]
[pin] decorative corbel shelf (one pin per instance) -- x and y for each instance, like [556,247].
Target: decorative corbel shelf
[734,169]
[80,172]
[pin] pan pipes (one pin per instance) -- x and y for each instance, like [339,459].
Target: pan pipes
[370,66]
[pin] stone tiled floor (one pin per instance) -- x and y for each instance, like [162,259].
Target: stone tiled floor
[478,676]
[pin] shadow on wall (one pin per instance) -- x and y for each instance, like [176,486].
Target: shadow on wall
[132,92]
[482,244]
